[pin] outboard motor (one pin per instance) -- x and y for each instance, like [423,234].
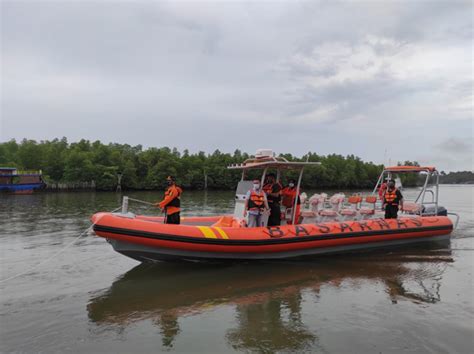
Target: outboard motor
[430,210]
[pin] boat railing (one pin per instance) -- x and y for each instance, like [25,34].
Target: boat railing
[126,201]
[457,219]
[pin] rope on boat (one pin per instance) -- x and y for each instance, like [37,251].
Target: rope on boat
[86,231]
[141,201]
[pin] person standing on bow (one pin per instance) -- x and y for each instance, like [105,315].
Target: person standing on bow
[392,200]
[273,189]
[171,203]
[288,196]
[256,205]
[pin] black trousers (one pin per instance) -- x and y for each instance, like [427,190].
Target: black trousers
[275,215]
[173,219]
[391,211]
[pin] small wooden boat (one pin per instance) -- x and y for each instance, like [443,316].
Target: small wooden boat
[226,237]
[20,182]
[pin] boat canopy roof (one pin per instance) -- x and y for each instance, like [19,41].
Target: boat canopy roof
[271,162]
[410,169]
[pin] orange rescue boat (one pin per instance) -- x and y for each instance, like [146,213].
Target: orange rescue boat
[146,238]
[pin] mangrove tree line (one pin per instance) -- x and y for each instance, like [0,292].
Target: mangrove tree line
[140,168]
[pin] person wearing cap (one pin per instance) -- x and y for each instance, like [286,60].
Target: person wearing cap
[256,205]
[273,189]
[392,200]
[288,196]
[171,203]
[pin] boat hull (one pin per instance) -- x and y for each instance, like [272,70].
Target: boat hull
[148,240]
[26,188]
[148,254]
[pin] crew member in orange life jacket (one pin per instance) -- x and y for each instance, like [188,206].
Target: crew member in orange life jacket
[256,205]
[288,195]
[171,202]
[272,189]
[392,199]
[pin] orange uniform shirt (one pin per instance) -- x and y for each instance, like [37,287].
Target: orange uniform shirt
[288,197]
[171,193]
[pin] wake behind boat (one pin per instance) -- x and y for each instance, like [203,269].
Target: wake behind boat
[326,225]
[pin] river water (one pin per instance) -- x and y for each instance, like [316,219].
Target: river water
[91,299]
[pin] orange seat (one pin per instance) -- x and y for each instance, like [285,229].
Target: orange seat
[371,210]
[308,214]
[335,201]
[348,212]
[354,202]
[355,199]
[328,212]
[371,199]
[411,207]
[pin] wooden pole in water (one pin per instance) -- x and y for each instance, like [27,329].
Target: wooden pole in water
[119,182]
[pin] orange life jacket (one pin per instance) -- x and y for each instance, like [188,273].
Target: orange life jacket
[288,197]
[391,197]
[176,202]
[256,200]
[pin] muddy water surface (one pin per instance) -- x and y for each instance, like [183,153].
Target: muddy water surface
[91,299]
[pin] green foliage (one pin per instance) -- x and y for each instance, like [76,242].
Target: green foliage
[85,161]
[461,177]
[411,179]
[8,153]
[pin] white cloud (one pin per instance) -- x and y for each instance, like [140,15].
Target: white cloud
[320,76]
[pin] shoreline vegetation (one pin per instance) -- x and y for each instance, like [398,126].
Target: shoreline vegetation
[86,165]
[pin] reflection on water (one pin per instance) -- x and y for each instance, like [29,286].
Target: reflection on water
[267,297]
[271,323]
[90,299]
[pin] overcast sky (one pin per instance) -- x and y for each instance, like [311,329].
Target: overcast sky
[349,77]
